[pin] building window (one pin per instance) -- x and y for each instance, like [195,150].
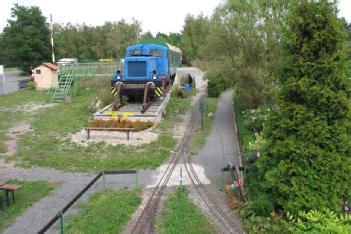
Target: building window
[38,71]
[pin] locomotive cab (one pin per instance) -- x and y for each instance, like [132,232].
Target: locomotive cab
[148,68]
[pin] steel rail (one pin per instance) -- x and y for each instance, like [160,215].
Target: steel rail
[146,221]
[206,197]
[210,203]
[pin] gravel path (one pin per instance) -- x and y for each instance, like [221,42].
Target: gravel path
[221,148]
[222,144]
[11,82]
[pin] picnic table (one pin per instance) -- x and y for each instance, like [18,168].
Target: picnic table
[7,187]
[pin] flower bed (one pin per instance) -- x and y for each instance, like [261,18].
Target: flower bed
[138,125]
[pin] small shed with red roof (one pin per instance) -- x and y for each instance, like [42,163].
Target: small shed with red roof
[45,76]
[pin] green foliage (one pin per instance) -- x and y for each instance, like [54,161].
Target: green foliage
[311,222]
[26,37]
[180,215]
[306,161]
[194,36]
[245,134]
[265,225]
[31,85]
[105,96]
[171,38]
[216,85]
[31,192]
[106,212]
[347,29]
[100,85]
[243,51]
[255,119]
[3,51]
[316,222]
[89,43]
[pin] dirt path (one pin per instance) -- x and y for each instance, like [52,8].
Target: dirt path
[13,134]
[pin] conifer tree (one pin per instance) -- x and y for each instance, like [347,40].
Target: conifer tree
[306,161]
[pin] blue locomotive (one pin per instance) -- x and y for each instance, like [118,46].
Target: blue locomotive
[149,69]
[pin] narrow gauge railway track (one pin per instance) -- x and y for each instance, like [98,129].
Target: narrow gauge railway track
[213,207]
[146,221]
[217,212]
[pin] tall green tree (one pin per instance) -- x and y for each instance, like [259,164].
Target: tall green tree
[306,161]
[89,43]
[3,52]
[243,46]
[171,38]
[194,36]
[146,35]
[347,28]
[27,37]
[121,36]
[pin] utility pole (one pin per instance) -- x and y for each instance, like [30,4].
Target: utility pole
[52,40]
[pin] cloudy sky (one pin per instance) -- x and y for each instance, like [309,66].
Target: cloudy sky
[155,15]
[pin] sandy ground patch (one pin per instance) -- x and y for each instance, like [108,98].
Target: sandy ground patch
[174,180]
[13,134]
[28,107]
[114,138]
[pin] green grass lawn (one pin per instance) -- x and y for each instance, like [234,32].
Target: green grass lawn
[105,212]
[50,146]
[199,137]
[180,215]
[24,197]
[9,114]
[3,139]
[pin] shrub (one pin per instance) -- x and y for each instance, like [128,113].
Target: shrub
[105,96]
[254,119]
[32,85]
[216,85]
[258,224]
[306,162]
[324,221]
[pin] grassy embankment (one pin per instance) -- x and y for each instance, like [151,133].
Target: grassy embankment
[105,212]
[50,146]
[180,215]
[24,197]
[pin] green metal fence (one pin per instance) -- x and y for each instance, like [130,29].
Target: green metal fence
[91,69]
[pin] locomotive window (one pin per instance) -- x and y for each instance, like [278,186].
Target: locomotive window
[135,52]
[156,53]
